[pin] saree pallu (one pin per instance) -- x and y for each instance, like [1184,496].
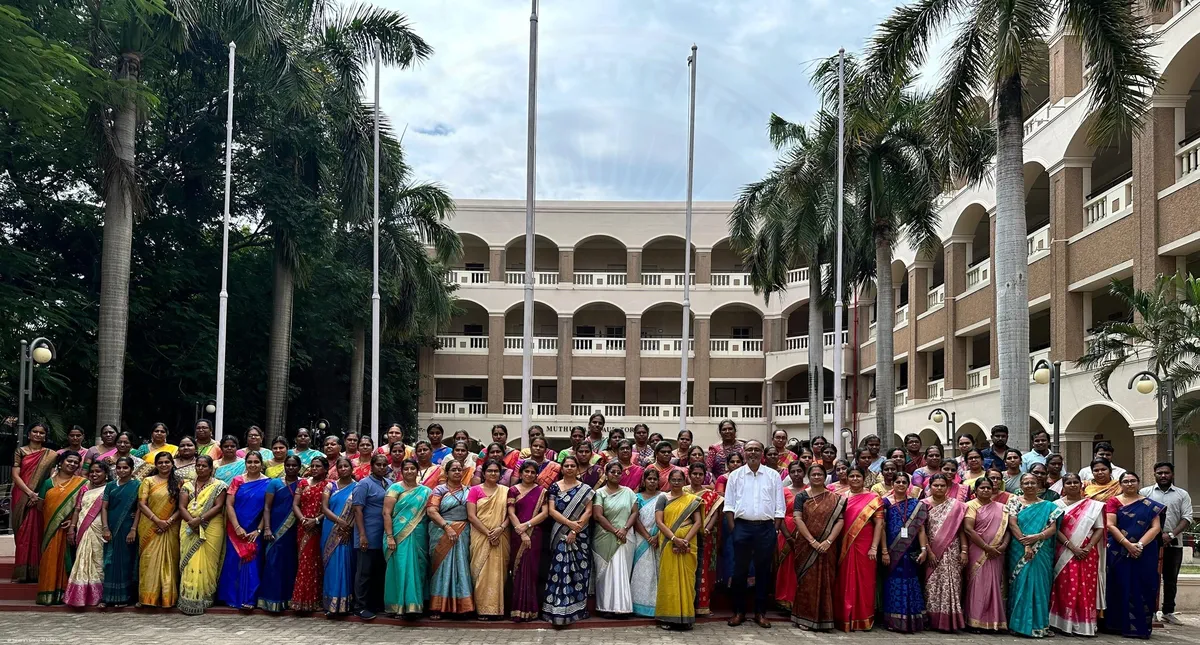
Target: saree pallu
[450,586]
[86,584]
[120,557]
[983,606]
[565,599]
[1134,581]
[147,452]
[58,556]
[306,456]
[238,586]
[404,589]
[279,558]
[816,573]
[489,562]
[1102,492]
[785,561]
[527,561]
[337,554]
[854,605]
[676,600]
[201,550]
[593,476]
[158,553]
[1029,580]
[548,473]
[276,470]
[227,472]
[1073,606]
[431,477]
[613,560]
[310,570]
[631,476]
[26,520]
[707,551]
[943,583]
[903,599]
[645,560]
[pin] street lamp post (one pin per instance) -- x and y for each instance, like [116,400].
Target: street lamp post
[938,415]
[1146,382]
[39,352]
[205,407]
[1046,372]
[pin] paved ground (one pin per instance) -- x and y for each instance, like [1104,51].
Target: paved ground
[127,628]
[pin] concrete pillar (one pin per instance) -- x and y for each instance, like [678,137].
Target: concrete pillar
[1147,448]
[918,288]
[427,384]
[918,375]
[701,366]
[495,363]
[633,265]
[566,264]
[1066,67]
[1066,219]
[773,334]
[768,402]
[633,365]
[1153,171]
[993,352]
[703,266]
[566,333]
[496,263]
[956,280]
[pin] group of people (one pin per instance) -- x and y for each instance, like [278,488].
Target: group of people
[992,540]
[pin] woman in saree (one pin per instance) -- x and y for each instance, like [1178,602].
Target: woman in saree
[118,517]
[487,512]
[661,463]
[725,552]
[104,452]
[1102,486]
[708,538]
[59,495]
[683,448]
[947,554]
[818,514]
[548,470]
[125,443]
[887,477]
[32,464]
[304,449]
[614,515]
[986,528]
[1073,607]
[158,534]
[1055,471]
[85,586]
[406,543]
[997,478]
[331,448]
[854,591]
[185,460]
[1133,528]
[526,512]
[429,474]
[696,455]
[570,506]
[972,470]
[644,580]
[280,558]
[361,460]
[254,443]
[907,549]
[273,467]
[337,555]
[201,538]
[508,476]
[591,469]
[229,464]
[932,466]
[310,569]
[631,472]
[461,454]
[245,521]
[1043,478]
[450,586]
[779,439]
[841,477]
[679,517]
[156,444]
[1033,523]
[785,563]
[955,490]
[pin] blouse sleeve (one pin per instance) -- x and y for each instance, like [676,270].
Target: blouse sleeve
[1112,505]
[234,485]
[971,511]
[798,503]
[475,494]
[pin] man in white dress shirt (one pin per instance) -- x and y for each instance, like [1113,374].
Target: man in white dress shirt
[1103,450]
[754,512]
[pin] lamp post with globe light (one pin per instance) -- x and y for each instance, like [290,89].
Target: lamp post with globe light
[848,441]
[39,352]
[1146,382]
[939,415]
[1045,372]
[204,409]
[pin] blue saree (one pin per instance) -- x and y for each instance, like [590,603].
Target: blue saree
[227,472]
[280,555]
[337,553]
[404,590]
[1030,575]
[566,595]
[903,599]
[450,589]
[238,585]
[1132,582]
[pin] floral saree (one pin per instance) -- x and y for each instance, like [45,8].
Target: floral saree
[565,597]
[86,584]
[1030,569]
[943,583]
[450,589]
[1073,596]
[201,549]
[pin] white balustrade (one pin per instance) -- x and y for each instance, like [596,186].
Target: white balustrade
[935,389]
[735,346]
[979,273]
[1039,240]
[664,346]
[607,409]
[1187,159]
[795,342]
[460,408]
[936,297]
[901,398]
[980,378]
[872,331]
[460,344]
[665,280]
[1111,202]
[902,315]
[1036,357]
[827,337]
[797,276]
[599,345]
[539,409]
[735,411]
[798,409]
[463,276]
[871,405]
[600,279]
[730,280]
[1040,118]
[541,278]
[541,344]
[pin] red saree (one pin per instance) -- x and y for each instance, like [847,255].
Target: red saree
[854,591]
[310,572]
[706,564]
[785,567]
[27,527]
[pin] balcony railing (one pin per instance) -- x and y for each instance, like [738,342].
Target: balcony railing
[599,346]
[725,280]
[609,410]
[901,398]
[463,276]
[1040,117]
[665,280]
[539,409]
[600,279]
[979,378]
[797,276]
[872,406]
[735,411]
[936,297]
[827,337]
[1111,202]
[541,278]
[801,342]
[1034,357]
[460,408]
[800,409]
[1187,159]
[459,344]
[660,411]
[1039,240]
[735,346]
[541,344]
[902,315]
[935,389]
[665,346]
[979,273]
[871,331]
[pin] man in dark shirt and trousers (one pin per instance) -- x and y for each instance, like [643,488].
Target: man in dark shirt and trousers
[371,567]
[754,511]
[993,455]
[1177,518]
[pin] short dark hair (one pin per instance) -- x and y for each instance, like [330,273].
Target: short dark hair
[1102,445]
[999,427]
[1166,464]
[1039,433]
[911,435]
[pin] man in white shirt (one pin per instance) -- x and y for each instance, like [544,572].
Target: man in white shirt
[1040,452]
[754,512]
[1103,450]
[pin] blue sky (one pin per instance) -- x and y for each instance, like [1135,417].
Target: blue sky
[613,84]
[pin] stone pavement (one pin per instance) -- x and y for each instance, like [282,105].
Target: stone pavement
[126,628]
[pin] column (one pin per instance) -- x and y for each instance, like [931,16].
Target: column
[495,364]
[768,402]
[918,289]
[1066,67]
[956,282]
[703,266]
[427,384]
[700,366]
[566,264]
[633,265]
[993,351]
[773,334]
[633,365]
[1067,180]
[566,334]
[1153,171]
[496,263]
[1147,447]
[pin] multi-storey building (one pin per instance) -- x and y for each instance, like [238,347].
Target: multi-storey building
[608,319]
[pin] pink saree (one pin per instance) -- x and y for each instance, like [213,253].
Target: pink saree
[943,583]
[984,606]
[1074,594]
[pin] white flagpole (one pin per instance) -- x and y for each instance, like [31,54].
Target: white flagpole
[375,277]
[838,394]
[223,298]
[687,246]
[530,240]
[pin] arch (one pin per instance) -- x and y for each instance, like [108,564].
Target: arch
[899,272]
[666,238]
[1105,420]
[600,238]
[597,304]
[545,254]
[1031,170]
[968,220]
[601,253]
[665,320]
[470,319]
[475,252]
[545,320]
[930,436]
[724,259]
[975,428]
[1181,69]
[737,304]
[468,237]
[520,304]
[538,237]
[736,320]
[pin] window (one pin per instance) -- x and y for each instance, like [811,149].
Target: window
[739,332]
[473,393]
[475,266]
[614,332]
[585,331]
[472,330]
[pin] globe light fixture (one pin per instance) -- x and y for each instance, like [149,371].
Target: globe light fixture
[211,408]
[42,354]
[1041,375]
[1145,385]
[938,417]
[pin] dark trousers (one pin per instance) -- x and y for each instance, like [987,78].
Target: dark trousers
[369,576]
[753,542]
[1172,559]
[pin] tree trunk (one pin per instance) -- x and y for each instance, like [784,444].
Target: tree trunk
[357,374]
[117,249]
[885,364]
[280,350]
[1010,282]
[816,350]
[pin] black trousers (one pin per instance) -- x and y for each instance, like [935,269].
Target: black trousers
[1172,559]
[369,577]
[753,542]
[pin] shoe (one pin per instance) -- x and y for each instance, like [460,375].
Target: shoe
[1172,618]
[366,614]
[1158,617]
[737,619]
[762,621]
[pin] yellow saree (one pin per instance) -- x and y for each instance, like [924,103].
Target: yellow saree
[201,549]
[676,602]
[489,563]
[158,562]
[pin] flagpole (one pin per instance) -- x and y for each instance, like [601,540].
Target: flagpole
[687,245]
[838,394]
[223,297]
[530,240]
[375,276]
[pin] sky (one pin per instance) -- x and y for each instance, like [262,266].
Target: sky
[612,91]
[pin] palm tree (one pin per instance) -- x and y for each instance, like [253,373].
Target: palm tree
[999,50]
